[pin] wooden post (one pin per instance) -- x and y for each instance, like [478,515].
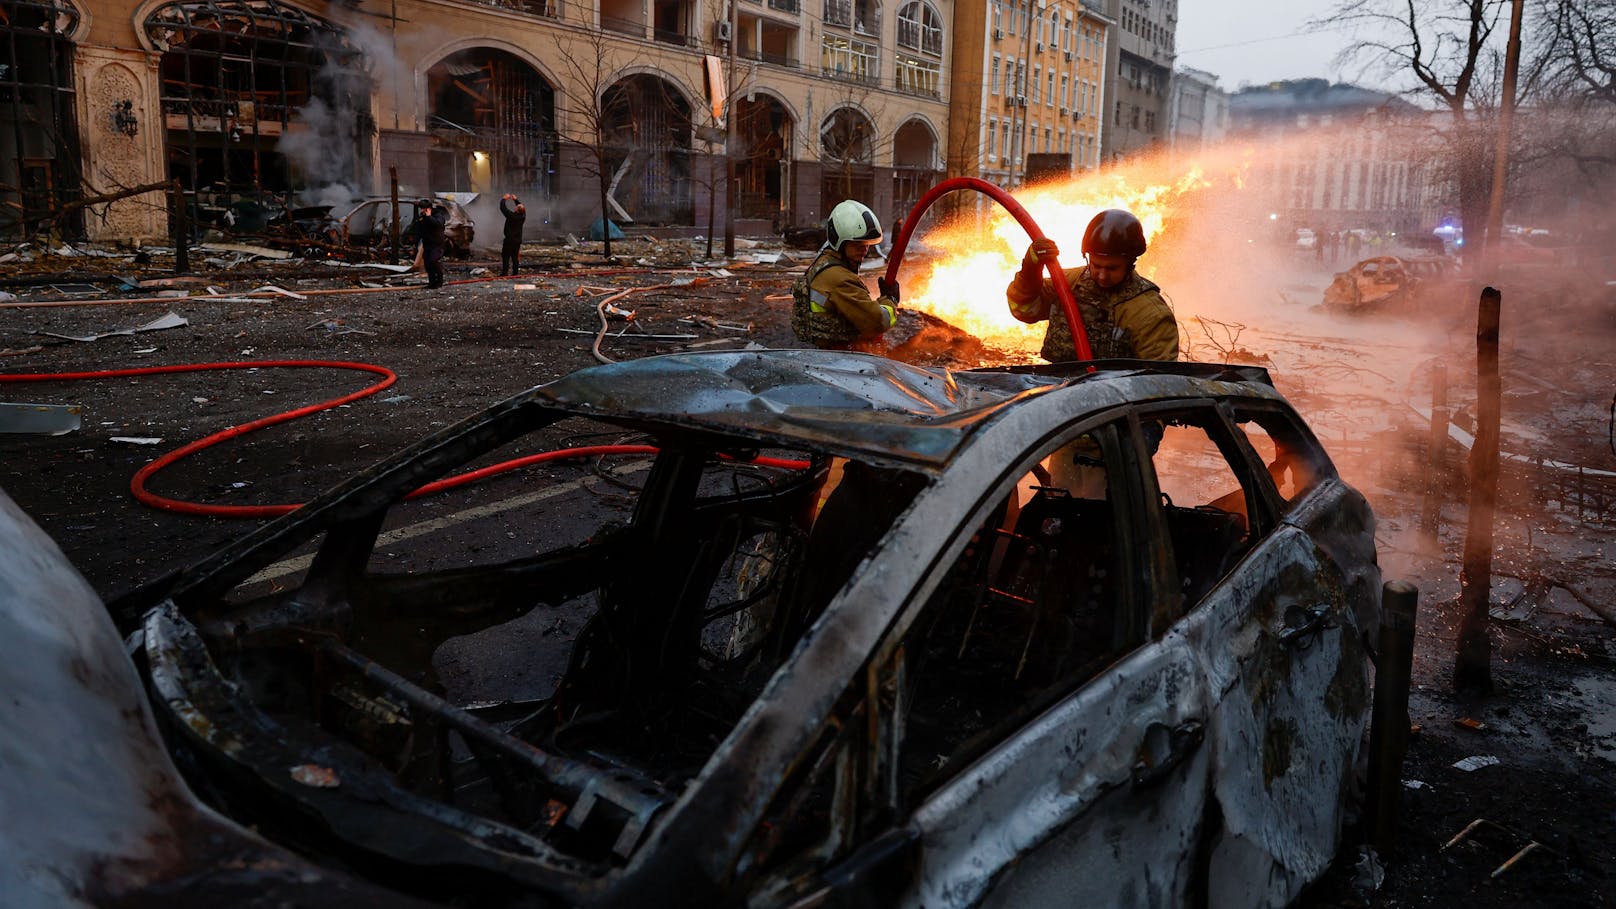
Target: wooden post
[1389,726]
[392,177]
[1431,513]
[182,228]
[1472,668]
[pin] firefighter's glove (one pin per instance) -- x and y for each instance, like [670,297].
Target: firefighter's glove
[888,288]
[1039,252]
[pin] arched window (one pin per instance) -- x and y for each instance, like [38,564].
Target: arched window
[920,27]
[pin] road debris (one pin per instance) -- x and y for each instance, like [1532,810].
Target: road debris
[1475,762]
[170,320]
[39,419]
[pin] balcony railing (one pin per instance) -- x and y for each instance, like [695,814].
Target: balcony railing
[786,6]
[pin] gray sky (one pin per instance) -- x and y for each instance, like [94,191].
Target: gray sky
[1259,41]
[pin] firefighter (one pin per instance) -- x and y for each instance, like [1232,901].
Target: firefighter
[1123,312]
[430,221]
[831,307]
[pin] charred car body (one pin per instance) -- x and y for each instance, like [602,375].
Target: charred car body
[1404,285]
[1032,636]
[368,226]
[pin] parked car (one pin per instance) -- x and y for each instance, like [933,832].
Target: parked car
[857,633]
[1406,285]
[368,226]
[1306,238]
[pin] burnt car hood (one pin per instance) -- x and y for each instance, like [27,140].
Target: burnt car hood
[95,812]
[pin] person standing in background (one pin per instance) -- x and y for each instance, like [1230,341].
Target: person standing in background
[515,218]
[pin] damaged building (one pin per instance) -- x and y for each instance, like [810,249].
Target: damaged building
[257,107]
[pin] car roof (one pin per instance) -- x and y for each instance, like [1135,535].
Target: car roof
[865,405]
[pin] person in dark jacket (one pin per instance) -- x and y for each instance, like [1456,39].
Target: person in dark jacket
[430,220]
[515,217]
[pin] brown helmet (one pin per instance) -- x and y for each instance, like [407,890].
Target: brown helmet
[1114,232]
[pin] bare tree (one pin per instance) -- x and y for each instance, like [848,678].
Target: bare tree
[1584,35]
[1445,45]
[590,110]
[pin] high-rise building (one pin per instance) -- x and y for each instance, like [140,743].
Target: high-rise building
[1028,83]
[1140,64]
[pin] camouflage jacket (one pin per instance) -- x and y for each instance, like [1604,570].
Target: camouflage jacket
[1130,320]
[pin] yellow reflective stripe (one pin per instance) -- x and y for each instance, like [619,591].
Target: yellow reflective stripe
[889,316]
[817,300]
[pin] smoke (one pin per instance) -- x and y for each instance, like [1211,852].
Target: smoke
[328,142]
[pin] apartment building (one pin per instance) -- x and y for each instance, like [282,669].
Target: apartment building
[1140,64]
[1028,80]
[1197,112]
[1340,157]
[320,100]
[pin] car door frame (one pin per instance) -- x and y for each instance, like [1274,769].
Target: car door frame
[993,832]
[1274,655]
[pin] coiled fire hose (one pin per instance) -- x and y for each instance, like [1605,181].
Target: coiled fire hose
[138,484]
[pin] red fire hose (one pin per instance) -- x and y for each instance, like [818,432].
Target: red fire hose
[1063,292]
[137,485]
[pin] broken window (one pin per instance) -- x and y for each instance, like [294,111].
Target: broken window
[764,130]
[621,614]
[1295,461]
[849,58]
[39,147]
[1206,508]
[847,149]
[914,159]
[1038,602]
[920,27]
[647,128]
[492,123]
[260,98]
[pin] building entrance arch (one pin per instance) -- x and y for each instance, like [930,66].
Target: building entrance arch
[646,134]
[492,120]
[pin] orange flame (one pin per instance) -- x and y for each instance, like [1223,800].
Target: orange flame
[965,284]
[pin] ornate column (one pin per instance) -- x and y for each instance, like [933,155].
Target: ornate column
[105,78]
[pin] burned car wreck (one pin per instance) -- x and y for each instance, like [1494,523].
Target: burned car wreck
[846,630]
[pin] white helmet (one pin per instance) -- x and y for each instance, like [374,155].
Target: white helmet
[851,220]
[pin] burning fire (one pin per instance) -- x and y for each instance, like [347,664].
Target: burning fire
[965,284]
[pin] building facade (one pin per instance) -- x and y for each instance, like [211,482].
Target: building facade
[1339,157]
[1140,64]
[1197,111]
[310,101]
[1028,80]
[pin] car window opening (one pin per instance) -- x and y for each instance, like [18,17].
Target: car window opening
[670,596]
[1030,611]
[1204,506]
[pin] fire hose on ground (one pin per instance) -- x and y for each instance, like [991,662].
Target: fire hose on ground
[138,485]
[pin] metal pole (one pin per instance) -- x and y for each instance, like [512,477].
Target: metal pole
[1506,113]
[729,133]
[1431,513]
[1389,726]
[182,229]
[392,230]
[1472,669]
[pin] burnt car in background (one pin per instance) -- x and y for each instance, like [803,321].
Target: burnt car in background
[367,227]
[850,631]
[1405,285]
